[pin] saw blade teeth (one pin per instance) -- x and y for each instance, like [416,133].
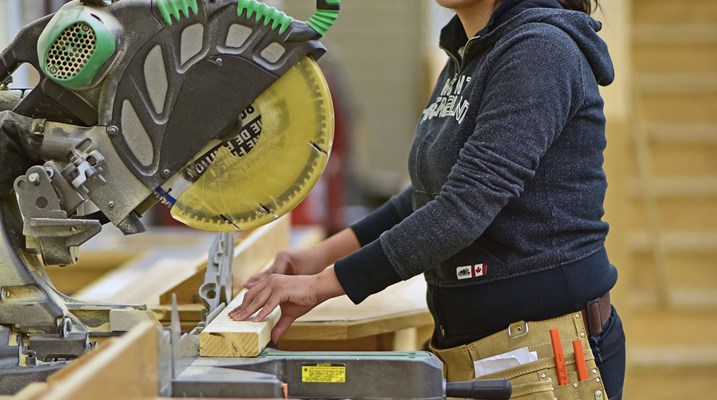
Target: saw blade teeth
[269,167]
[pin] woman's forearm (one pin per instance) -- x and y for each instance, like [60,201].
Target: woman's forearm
[336,247]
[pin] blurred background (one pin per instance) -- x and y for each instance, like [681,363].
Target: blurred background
[661,159]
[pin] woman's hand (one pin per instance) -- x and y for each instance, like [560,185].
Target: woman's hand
[309,261]
[291,262]
[296,295]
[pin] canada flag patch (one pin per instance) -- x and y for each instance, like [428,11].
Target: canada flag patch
[471,271]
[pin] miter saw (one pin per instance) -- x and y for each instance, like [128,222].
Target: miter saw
[214,108]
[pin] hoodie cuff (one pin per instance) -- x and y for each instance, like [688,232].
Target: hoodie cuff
[374,224]
[365,272]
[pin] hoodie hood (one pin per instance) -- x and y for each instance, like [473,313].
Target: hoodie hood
[512,14]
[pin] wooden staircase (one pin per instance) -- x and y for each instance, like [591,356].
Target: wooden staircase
[672,319]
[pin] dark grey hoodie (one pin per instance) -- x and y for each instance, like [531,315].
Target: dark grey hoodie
[506,163]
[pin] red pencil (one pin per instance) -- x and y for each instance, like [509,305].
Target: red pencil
[559,358]
[580,360]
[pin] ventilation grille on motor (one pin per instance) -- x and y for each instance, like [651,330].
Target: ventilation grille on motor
[71,51]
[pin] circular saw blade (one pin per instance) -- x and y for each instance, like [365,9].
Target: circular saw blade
[271,161]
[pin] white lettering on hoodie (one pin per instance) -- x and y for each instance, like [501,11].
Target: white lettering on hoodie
[451,102]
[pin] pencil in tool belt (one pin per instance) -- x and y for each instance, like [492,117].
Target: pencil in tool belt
[559,358]
[580,360]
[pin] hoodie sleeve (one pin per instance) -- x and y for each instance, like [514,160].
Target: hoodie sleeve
[383,218]
[535,86]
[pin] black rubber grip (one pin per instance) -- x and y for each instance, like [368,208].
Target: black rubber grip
[489,389]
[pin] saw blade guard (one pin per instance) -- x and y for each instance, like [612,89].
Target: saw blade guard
[270,162]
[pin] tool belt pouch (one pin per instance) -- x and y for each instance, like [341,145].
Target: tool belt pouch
[535,380]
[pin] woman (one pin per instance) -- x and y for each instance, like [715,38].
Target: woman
[504,213]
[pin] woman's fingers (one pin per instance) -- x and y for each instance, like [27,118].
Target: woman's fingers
[281,326]
[267,308]
[256,278]
[254,298]
[279,266]
[257,302]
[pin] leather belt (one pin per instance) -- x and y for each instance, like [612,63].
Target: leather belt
[596,313]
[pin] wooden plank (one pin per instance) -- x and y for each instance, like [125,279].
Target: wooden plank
[90,268]
[402,298]
[29,392]
[110,250]
[187,312]
[123,368]
[144,279]
[224,337]
[355,329]
[251,253]
[152,278]
[400,306]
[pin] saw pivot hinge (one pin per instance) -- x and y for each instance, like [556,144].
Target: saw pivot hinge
[47,203]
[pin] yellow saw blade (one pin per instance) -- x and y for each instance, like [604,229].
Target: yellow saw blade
[277,153]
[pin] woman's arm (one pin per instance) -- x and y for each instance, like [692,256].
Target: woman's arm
[314,259]
[311,260]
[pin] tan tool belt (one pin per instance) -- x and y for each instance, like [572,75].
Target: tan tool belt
[535,380]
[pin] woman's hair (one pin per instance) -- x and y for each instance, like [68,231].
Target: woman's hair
[585,6]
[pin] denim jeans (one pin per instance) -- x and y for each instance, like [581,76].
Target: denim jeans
[609,350]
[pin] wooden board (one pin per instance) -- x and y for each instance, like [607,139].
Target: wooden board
[124,368]
[110,249]
[145,278]
[224,337]
[400,306]
[403,297]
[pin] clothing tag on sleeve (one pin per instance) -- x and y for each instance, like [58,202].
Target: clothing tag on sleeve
[471,271]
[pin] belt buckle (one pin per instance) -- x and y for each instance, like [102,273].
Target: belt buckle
[518,329]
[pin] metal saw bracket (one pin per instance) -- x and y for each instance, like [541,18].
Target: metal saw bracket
[47,227]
